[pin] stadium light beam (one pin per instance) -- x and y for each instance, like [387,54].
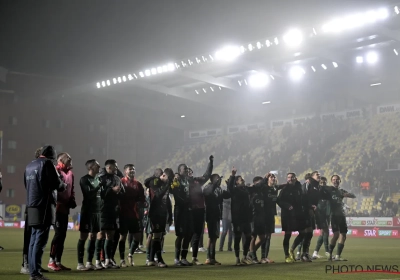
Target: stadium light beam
[372,57]
[228,53]
[258,80]
[296,73]
[293,38]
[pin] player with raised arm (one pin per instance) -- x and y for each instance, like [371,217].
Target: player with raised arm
[338,218]
[241,215]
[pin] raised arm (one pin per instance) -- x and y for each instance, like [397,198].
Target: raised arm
[206,176]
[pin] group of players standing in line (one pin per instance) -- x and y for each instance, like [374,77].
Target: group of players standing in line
[110,210]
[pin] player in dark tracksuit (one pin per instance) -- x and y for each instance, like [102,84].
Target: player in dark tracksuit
[213,197]
[198,212]
[313,196]
[111,188]
[271,196]
[183,215]
[322,221]
[241,215]
[258,226]
[159,187]
[293,204]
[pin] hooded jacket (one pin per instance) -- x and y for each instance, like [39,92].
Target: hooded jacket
[42,182]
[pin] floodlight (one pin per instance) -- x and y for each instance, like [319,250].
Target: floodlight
[228,53]
[395,52]
[182,116]
[335,64]
[242,49]
[276,41]
[372,57]
[296,73]
[272,77]
[147,72]
[268,43]
[313,68]
[258,80]
[108,83]
[103,83]
[124,78]
[196,91]
[153,71]
[98,85]
[293,38]
[323,66]
[119,80]
[114,80]
[359,59]
[259,45]
[250,47]
[171,67]
[396,10]
[383,13]
[130,78]
[266,102]
[212,89]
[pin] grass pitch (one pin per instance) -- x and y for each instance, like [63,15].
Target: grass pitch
[360,251]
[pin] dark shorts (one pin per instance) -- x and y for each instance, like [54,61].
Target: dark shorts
[242,228]
[258,227]
[321,219]
[213,227]
[183,222]
[108,222]
[339,224]
[293,223]
[270,224]
[157,224]
[310,221]
[89,223]
[131,225]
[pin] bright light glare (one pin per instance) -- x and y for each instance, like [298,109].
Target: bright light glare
[313,68]
[108,83]
[171,67]
[266,102]
[372,57]
[356,20]
[103,83]
[296,73]
[147,72]
[124,78]
[396,10]
[383,13]
[114,81]
[153,71]
[182,116]
[159,69]
[98,85]
[335,64]
[228,53]
[359,59]
[258,80]
[395,52]
[323,66]
[293,38]
[119,80]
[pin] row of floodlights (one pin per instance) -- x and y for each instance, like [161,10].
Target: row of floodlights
[292,38]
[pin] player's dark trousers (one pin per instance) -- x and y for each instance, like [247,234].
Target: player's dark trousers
[198,226]
[226,229]
[60,233]
[38,241]
[27,239]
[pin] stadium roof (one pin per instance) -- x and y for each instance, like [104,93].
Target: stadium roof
[325,60]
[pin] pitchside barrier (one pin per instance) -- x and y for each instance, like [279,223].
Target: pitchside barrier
[368,227]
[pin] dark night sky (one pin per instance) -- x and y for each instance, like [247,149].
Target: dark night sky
[93,39]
